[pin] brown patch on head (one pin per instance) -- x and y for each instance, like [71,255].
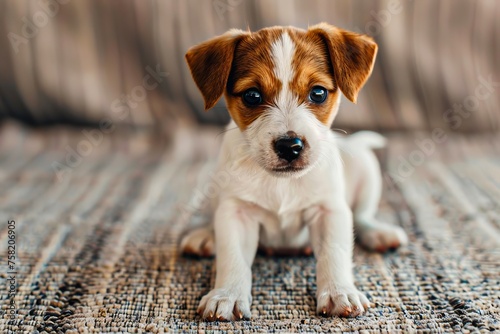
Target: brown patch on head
[312,66]
[252,67]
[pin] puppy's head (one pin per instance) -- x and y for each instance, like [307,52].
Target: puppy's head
[282,87]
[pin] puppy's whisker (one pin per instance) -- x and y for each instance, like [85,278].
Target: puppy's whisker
[339,130]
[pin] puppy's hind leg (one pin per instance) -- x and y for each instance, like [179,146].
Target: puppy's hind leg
[369,232]
[199,242]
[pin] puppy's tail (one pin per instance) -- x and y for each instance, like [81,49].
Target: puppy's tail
[368,139]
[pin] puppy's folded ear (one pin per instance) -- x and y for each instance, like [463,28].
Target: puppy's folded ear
[210,64]
[352,56]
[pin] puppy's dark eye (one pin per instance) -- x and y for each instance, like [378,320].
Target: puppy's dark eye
[318,94]
[252,97]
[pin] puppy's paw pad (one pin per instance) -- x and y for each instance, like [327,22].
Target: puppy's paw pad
[382,237]
[342,302]
[225,305]
[199,242]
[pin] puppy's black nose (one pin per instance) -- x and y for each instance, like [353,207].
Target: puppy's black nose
[288,148]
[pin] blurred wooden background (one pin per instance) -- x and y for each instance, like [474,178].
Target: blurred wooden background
[73,61]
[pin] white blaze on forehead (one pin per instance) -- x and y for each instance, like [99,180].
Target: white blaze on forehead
[282,51]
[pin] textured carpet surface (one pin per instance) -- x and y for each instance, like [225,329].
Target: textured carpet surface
[96,239]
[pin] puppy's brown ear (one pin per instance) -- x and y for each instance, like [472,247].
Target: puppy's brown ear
[210,63]
[352,56]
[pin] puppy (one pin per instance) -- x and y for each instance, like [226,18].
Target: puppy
[294,184]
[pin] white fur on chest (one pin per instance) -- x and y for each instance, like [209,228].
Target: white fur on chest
[280,203]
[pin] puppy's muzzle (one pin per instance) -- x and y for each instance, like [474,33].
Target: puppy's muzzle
[289,148]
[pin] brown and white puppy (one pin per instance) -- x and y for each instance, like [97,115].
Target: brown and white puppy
[294,184]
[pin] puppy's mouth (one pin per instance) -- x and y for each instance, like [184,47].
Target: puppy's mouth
[284,169]
[287,169]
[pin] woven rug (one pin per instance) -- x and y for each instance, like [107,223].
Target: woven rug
[97,219]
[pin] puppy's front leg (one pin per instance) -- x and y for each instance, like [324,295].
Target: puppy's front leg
[236,239]
[332,241]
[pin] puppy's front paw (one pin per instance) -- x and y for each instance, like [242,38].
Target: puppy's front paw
[381,237]
[343,302]
[225,305]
